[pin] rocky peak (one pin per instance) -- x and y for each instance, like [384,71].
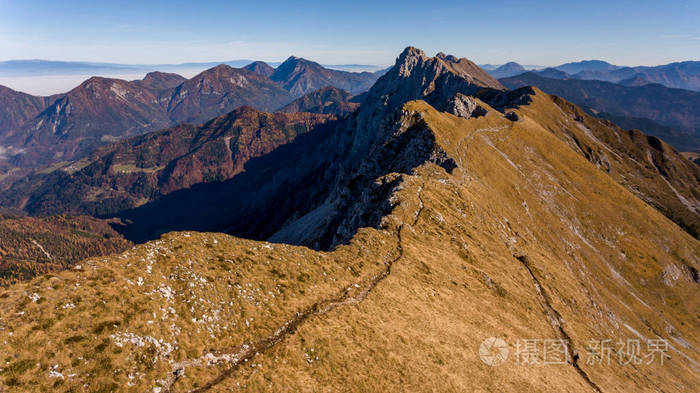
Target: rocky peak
[260,68]
[408,59]
[292,66]
[417,76]
[218,70]
[161,80]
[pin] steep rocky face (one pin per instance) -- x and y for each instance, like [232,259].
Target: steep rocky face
[300,76]
[335,172]
[328,100]
[139,170]
[465,106]
[329,169]
[260,68]
[414,76]
[371,140]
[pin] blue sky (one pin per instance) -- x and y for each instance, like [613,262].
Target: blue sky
[359,31]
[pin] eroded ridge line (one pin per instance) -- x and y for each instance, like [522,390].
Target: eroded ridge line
[555,320]
[248,351]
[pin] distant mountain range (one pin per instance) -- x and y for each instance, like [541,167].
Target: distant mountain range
[506,70]
[234,172]
[672,114]
[51,67]
[682,75]
[37,131]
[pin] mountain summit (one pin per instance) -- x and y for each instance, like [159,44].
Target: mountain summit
[260,68]
[508,69]
[300,76]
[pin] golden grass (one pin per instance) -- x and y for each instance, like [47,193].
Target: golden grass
[604,258]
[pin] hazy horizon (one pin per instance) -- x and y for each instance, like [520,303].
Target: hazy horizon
[57,83]
[160,32]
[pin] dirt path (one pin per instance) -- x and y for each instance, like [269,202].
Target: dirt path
[245,352]
[555,320]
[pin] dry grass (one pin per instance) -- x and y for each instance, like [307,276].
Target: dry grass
[604,258]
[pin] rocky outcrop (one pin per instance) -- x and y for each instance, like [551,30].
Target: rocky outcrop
[512,116]
[379,139]
[465,106]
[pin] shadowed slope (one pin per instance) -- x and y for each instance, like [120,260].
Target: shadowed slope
[142,169]
[328,100]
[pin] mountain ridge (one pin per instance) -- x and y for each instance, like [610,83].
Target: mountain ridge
[61,128]
[671,107]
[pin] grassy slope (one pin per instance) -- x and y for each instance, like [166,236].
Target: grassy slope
[647,166]
[604,259]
